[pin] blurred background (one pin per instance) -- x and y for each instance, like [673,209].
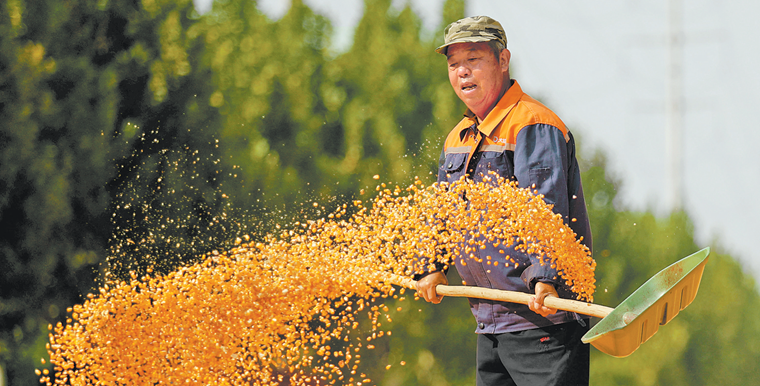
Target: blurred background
[146,133]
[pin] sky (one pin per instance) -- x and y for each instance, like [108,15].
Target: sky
[602,66]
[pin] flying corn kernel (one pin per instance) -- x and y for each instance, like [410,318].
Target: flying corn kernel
[223,320]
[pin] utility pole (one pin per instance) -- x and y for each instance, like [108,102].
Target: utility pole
[674,110]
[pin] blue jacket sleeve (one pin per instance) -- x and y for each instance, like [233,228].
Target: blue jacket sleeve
[541,164]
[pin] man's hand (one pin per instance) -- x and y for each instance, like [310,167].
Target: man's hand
[537,302]
[426,286]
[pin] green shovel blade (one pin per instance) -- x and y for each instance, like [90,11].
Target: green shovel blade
[655,303]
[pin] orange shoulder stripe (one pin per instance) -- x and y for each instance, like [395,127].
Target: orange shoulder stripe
[515,111]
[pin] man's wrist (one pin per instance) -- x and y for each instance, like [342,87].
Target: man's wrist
[544,280]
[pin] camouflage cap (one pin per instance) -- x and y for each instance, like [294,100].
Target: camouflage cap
[472,30]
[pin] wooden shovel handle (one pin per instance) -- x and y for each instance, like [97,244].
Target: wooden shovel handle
[507,296]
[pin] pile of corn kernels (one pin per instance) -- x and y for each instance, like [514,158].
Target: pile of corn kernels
[299,307]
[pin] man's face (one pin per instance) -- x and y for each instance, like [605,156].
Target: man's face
[476,75]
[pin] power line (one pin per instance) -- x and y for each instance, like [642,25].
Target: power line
[674,109]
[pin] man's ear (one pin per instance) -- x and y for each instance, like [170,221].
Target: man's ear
[504,57]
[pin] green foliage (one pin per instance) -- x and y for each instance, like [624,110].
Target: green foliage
[302,125]
[706,343]
[430,344]
[55,101]
[86,90]
[146,133]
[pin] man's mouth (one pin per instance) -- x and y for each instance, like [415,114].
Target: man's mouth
[468,87]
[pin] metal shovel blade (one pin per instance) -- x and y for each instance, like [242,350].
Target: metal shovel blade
[655,303]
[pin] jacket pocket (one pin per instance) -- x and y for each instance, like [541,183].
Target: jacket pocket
[538,177]
[497,162]
[453,167]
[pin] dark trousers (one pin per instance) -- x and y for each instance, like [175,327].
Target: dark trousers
[548,356]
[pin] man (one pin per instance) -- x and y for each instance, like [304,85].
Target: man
[506,131]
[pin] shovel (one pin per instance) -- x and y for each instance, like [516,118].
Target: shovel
[624,328]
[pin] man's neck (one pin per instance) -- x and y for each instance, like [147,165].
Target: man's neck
[506,85]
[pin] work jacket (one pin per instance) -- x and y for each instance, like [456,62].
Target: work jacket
[522,140]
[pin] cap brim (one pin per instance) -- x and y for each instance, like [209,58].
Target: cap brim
[470,39]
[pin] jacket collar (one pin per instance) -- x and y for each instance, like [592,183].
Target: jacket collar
[498,113]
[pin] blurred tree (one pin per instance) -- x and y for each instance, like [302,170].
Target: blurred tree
[718,350]
[84,86]
[166,204]
[267,80]
[397,104]
[56,104]
[302,125]
[705,344]
[429,345]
